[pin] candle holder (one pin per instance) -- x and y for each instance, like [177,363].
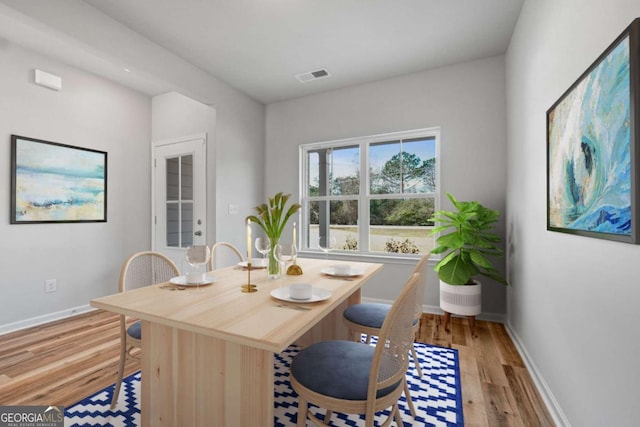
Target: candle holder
[249,287]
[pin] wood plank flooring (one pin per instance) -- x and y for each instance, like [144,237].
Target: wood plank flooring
[60,363]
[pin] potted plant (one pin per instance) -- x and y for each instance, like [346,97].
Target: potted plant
[272,218]
[467,240]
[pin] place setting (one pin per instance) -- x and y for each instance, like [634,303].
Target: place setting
[256,263]
[296,295]
[197,257]
[342,271]
[191,280]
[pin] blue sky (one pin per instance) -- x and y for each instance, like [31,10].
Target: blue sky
[346,160]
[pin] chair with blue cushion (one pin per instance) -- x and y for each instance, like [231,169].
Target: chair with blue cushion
[367,318]
[353,377]
[139,270]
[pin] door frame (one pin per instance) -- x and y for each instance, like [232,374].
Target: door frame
[159,143]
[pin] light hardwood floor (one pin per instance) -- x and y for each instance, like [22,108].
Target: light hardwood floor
[62,362]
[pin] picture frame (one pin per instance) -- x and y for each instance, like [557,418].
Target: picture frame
[593,133]
[56,183]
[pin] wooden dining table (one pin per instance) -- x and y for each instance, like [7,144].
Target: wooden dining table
[208,353]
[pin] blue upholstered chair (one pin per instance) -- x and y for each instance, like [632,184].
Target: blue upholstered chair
[212,260]
[352,377]
[368,318]
[139,270]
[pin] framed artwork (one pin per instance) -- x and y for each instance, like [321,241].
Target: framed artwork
[52,182]
[593,147]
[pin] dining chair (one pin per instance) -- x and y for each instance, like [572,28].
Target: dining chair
[368,318]
[353,377]
[139,270]
[212,260]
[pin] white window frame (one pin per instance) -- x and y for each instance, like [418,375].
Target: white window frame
[364,195]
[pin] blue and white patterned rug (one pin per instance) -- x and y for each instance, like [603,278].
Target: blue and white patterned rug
[437,396]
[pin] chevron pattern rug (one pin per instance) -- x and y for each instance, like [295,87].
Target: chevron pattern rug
[437,396]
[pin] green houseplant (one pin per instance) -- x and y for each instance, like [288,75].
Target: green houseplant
[272,217]
[466,240]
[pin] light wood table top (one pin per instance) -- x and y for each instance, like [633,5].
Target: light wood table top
[221,310]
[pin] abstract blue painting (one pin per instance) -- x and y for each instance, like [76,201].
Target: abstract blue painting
[54,182]
[589,151]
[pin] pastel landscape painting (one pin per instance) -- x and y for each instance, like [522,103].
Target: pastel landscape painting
[58,183]
[589,152]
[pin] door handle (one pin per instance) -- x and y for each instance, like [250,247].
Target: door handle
[198,233]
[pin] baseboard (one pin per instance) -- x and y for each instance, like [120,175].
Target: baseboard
[45,318]
[559,418]
[432,309]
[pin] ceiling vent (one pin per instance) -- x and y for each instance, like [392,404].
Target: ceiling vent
[313,75]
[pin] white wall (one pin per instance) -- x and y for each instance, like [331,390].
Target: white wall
[573,300]
[78,34]
[175,116]
[84,258]
[86,37]
[467,101]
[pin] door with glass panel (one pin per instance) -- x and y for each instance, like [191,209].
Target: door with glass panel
[179,217]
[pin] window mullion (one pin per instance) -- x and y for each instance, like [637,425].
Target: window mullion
[180,201]
[394,208]
[363,200]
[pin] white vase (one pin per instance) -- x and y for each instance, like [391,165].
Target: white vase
[464,300]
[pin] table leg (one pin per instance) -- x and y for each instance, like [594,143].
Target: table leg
[331,327]
[197,380]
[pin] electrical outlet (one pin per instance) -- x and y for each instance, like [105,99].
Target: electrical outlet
[234,209]
[50,285]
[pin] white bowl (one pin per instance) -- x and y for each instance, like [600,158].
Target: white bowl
[300,291]
[342,269]
[195,277]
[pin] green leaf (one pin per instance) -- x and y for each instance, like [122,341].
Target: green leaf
[467,237]
[439,250]
[452,240]
[480,259]
[495,275]
[455,272]
[270,215]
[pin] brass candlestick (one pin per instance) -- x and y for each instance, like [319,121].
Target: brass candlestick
[249,287]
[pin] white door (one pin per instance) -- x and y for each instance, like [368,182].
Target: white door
[180,196]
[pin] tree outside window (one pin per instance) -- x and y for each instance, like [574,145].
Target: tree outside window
[385,210]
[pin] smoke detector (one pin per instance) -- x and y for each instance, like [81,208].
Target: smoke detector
[313,75]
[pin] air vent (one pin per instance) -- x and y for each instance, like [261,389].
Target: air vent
[313,75]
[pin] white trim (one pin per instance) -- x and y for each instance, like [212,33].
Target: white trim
[45,318]
[432,309]
[372,138]
[364,196]
[405,259]
[559,418]
[156,144]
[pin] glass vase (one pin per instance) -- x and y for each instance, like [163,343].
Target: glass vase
[273,268]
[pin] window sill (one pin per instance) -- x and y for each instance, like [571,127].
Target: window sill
[386,259]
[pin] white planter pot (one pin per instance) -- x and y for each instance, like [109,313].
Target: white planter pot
[465,300]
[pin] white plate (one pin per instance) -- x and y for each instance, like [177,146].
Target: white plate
[182,281]
[332,272]
[317,294]
[255,263]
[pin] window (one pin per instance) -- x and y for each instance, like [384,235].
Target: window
[180,201]
[371,195]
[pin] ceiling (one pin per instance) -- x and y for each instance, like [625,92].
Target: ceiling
[258,46]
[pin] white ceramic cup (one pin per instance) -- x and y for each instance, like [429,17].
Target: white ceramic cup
[342,269]
[194,278]
[300,291]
